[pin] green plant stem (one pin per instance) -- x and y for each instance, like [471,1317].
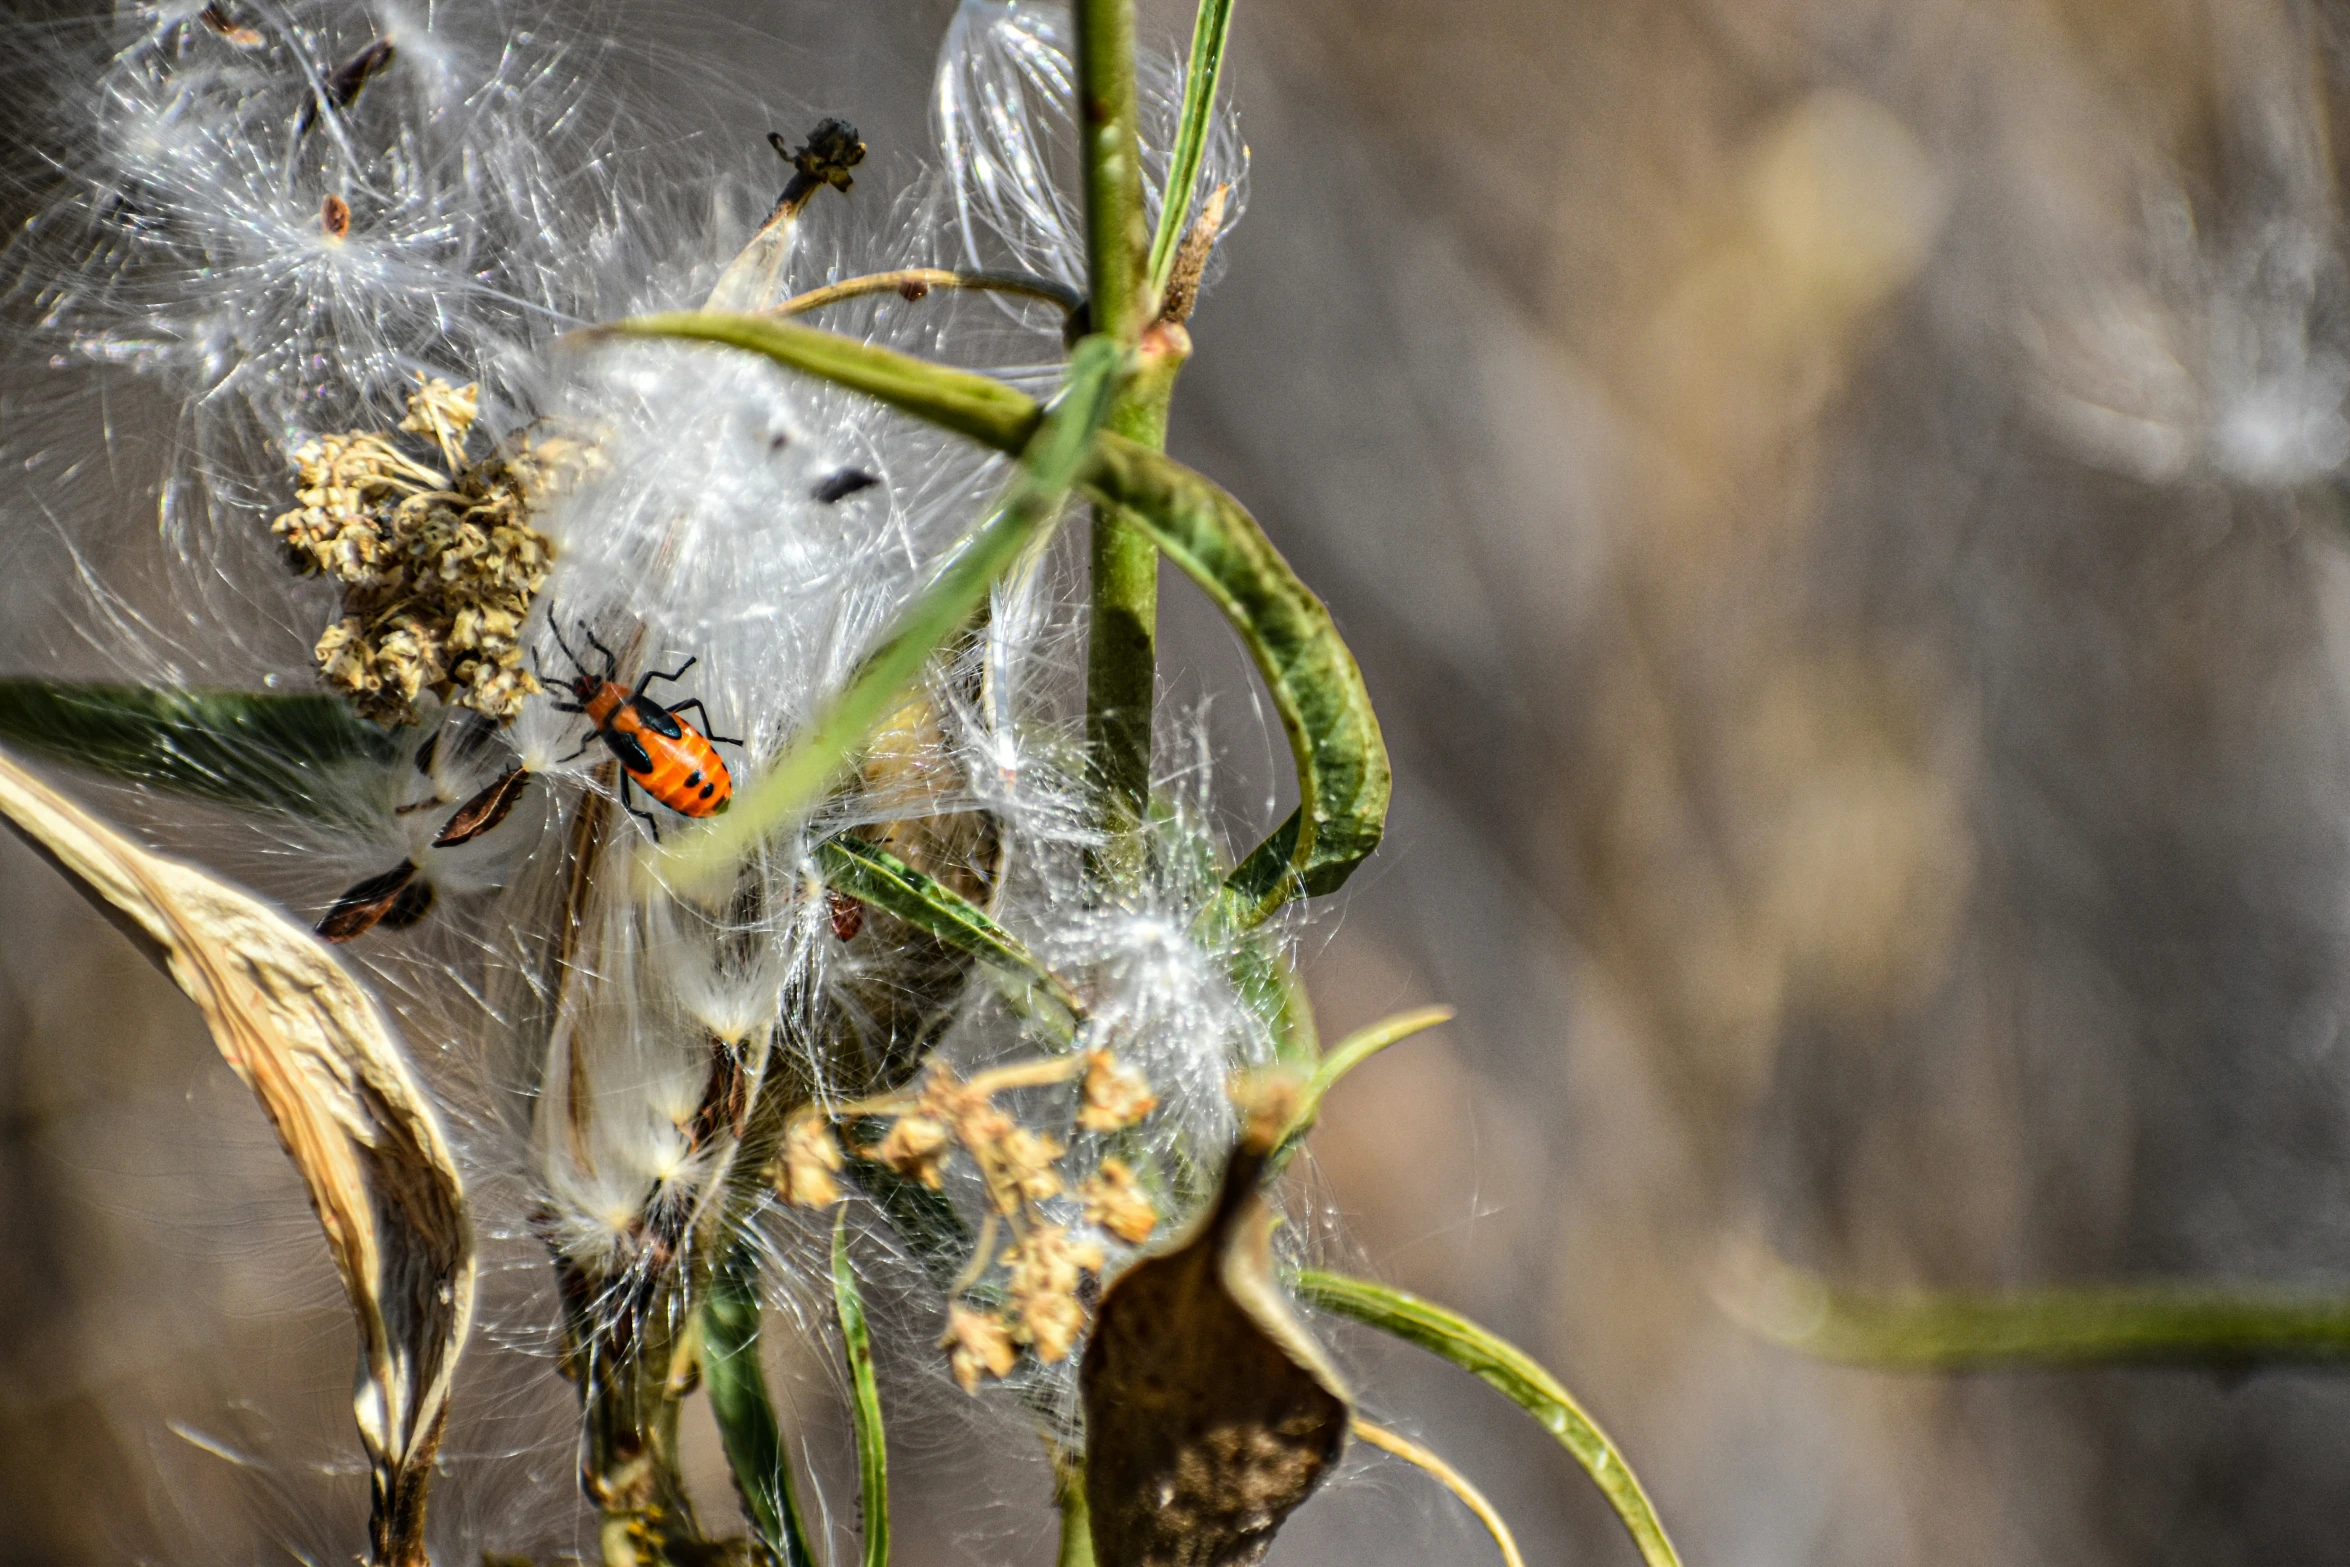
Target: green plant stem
[1122,648]
[1076,1517]
[1121,673]
[1116,234]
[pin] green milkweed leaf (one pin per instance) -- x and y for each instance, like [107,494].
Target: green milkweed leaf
[963,401]
[1515,1374]
[254,749]
[872,1447]
[1049,465]
[1210,27]
[873,875]
[1343,774]
[745,1415]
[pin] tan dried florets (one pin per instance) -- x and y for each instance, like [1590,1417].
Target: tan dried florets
[1116,1096]
[1046,1266]
[1115,1200]
[438,573]
[806,1169]
[979,1345]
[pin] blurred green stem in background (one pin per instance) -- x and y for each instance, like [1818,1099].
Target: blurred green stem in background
[2181,1324]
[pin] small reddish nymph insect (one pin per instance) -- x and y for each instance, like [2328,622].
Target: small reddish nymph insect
[659,752]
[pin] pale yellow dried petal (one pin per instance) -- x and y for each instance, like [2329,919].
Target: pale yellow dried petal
[1116,1095]
[1115,1200]
[810,1160]
[979,1345]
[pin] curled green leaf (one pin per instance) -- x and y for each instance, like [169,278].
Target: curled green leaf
[1342,769]
[873,875]
[1049,466]
[1345,1056]
[865,1403]
[2076,1325]
[1343,774]
[1515,1374]
[254,749]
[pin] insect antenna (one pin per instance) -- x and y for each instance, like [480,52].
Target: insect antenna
[556,626]
[611,660]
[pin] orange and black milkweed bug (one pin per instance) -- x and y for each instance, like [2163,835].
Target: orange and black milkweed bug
[659,752]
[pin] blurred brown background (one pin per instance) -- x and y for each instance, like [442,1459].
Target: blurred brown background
[1835,499]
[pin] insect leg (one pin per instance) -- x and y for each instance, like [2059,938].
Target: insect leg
[652,675]
[643,816]
[707,733]
[556,627]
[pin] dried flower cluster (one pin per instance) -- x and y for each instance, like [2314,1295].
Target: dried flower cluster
[1038,1302]
[438,572]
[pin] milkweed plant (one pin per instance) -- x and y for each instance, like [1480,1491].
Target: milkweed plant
[682,662]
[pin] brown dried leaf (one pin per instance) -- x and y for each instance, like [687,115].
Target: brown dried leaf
[313,1048]
[1210,1412]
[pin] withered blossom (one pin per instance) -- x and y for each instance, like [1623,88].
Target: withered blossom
[1047,1266]
[978,1345]
[438,573]
[917,1148]
[1116,1095]
[1115,1200]
[806,1170]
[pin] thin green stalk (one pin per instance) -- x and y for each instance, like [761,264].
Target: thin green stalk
[1208,32]
[1076,1516]
[1121,675]
[1116,232]
[1512,1372]
[739,1403]
[1122,647]
[1349,1053]
[865,1406]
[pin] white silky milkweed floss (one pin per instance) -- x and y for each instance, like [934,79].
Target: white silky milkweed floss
[300,227]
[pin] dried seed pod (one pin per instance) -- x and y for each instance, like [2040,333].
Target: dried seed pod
[484,811]
[364,906]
